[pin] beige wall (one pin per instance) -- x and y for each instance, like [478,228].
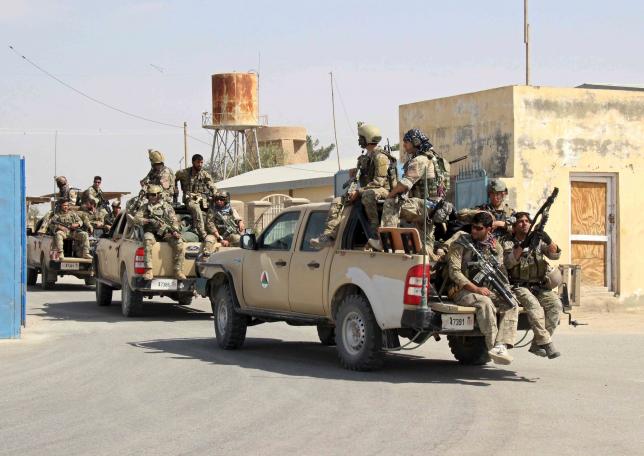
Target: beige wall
[290,140]
[314,194]
[535,137]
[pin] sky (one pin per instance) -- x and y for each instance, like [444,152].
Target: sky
[155,58]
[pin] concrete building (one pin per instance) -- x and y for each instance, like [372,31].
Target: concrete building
[589,142]
[288,141]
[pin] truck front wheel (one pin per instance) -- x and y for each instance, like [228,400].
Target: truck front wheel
[230,326]
[358,336]
[469,350]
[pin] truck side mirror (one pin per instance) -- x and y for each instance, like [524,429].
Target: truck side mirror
[248,241]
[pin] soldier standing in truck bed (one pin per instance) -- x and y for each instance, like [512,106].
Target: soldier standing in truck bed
[198,188]
[160,175]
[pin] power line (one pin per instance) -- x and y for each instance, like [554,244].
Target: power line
[96,100]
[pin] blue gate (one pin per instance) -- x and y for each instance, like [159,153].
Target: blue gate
[471,188]
[14,242]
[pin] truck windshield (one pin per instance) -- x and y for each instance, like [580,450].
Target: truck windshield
[279,235]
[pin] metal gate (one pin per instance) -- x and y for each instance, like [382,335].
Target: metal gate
[277,201]
[471,188]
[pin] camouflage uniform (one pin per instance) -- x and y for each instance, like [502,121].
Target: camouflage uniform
[164,178]
[459,270]
[197,189]
[221,223]
[530,273]
[377,187]
[503,213]
[411,208]
[153,231]
[80,238]
[92,218]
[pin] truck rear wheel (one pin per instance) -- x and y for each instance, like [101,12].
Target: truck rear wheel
[230,326]
[32,276]
[184,299]
[358,336]
[131,301]
[45,276]
[469,350]
[326,334]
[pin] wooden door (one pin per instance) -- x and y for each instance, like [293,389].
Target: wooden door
[590,230]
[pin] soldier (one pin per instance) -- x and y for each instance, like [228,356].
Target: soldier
[498,337]
[406,201]
[223,224]
[501,211]
[159,223]
[66,224]
[159,174]
[530,272]
[376,181]
[94,191]
[110,218]
[65,191]
[197,187]
[93,218]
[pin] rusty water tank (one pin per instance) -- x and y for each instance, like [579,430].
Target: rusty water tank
[234,99]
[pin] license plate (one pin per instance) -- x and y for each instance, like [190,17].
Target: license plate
[69,266]
[458,322]
[164,284]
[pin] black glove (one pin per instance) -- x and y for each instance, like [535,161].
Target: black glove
[545,238]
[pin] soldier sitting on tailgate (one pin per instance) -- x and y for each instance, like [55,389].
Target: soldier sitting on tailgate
[159,223]
[530,272]
[67,224]
[376,179]
[198,188]
[160,175]
[407,199]
[223,224]
[503,214]
[110,218]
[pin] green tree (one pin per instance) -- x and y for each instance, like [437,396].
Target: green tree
[317,152]
[395,147]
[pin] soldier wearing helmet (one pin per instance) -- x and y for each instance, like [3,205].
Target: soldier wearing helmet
[159,174]
[503,214]
[92,217]
[373,173]
[532,276]
[197,187]
[65,191]
[159,223]
[223,224]
[111,218]
[406,200]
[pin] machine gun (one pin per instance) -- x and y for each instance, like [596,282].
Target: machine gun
[103,202]
[536,233]
[490,273]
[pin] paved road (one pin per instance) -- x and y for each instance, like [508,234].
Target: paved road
[85,380]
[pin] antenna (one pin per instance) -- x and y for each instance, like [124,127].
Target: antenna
[423,293]
[55,159]
[335,133]
[526,40]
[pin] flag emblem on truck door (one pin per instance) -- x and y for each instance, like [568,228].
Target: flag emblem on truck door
[263,279]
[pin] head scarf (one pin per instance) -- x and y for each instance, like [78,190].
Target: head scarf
[418,139]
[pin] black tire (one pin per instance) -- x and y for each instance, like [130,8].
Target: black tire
[131,301]
[326,334]
[230,326]
[32,276]
[45,282]
[90,281]
[184,300]
[358,336]
[471,351]
[103,294]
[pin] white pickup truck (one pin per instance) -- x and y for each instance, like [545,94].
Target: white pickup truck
[361,301]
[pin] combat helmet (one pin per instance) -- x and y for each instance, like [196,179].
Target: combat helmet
[496,185]
[368,134]
[61,180]
[222,195]
[155,156]
[153,189]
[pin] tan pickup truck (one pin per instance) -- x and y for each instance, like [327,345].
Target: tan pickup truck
[42,260]
[118,261]
[361,301]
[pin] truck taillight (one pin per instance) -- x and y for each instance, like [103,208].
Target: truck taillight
[414,284]
[139,261]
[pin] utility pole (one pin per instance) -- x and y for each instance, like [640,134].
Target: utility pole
[526,40]
[185,143]
[335,133]
[55,159]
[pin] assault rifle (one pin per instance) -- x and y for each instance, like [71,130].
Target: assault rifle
[164,224]
[102,202]
[490,273]
[536,233]
[230,225]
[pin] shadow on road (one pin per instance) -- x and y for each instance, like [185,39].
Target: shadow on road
[61,287]
[90,311]
[310,359]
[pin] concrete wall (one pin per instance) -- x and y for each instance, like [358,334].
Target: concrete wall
[535,137]
[314,194]
[290,140]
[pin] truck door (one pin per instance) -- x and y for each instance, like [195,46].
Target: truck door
[307,273]
[265,271]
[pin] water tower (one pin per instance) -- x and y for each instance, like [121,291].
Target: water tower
[234,115]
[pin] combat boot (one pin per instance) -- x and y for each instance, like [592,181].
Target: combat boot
[375,244]
[537,350]
[179,275]
[500,355]
[322,241]
[551,351]
[148,274]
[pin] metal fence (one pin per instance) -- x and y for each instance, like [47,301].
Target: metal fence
[277,201]
[471,187]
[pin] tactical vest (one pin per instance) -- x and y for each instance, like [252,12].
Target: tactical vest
[224,221]
[418,189]
[365,167]
[470,270]
[530,270]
